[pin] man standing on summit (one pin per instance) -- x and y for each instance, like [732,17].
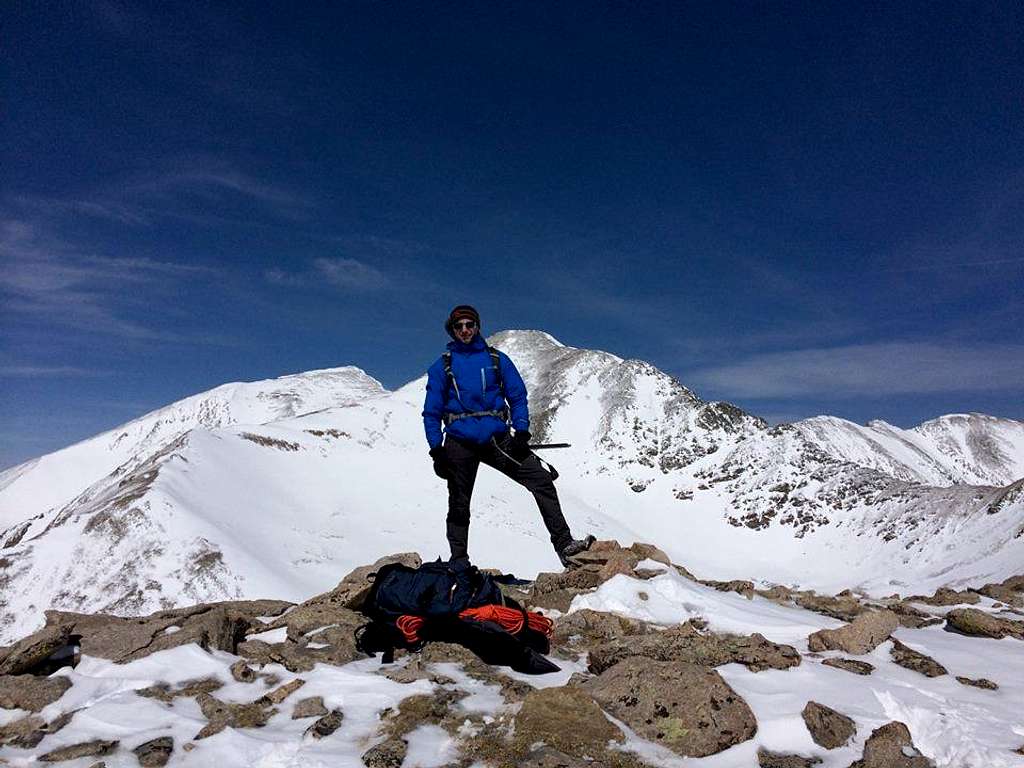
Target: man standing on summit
[476,392]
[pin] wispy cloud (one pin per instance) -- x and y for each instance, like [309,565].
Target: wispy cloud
[47,371]
[868,369]
[343,273]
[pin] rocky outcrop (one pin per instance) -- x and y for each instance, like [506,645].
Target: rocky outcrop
[850,665]
[908,658]
[688,644]
[29,692]
[567,719]
[828,728]
[844,606]
[687,708]
[861,636]
[971,621]
[945,596]
[586,628]
[30,653]
[890,746]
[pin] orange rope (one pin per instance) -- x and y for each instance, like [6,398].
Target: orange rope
[509,619]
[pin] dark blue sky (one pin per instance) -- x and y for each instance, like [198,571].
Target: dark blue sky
[798,208]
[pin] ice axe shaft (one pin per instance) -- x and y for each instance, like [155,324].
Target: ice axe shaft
[543,446]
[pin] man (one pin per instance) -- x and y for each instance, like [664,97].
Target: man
[476,392]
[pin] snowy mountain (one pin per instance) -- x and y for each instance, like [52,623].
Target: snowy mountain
[273,489]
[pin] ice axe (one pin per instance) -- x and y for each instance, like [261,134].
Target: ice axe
[544,446]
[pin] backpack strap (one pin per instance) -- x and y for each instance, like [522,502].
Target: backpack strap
[502,413]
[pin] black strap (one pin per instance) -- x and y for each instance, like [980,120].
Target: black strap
[450,377]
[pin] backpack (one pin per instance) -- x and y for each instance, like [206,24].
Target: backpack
[458,604]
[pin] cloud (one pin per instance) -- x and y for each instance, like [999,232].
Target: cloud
[868,370]
[44,371]
[343,273]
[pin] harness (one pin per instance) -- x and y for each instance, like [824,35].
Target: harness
[502,414]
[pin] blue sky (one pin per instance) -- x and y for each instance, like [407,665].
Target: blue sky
[801,209]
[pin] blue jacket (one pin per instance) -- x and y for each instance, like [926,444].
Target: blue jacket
[474,373]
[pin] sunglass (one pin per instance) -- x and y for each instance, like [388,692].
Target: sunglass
[467,324]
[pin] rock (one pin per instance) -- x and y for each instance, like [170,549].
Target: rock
[745,588]
[313,615]
[155,753]
[649,552]
[188,689]
[278,695]
[890,746]
[850,665]
[685,707]
[971,621]
[556,590]
[297,657]
[311,707]
[945,596]
[548,757]
[567,719]
[242,672]
[326,725]
[911,617]
[980,682]
[844,607]
[221,715]
[387,754]
[685,642]
[828,728]
[96,748]
[587,627]
[29,653]
[766,759]
[27,732]
[29,692]
[859,637]
[1003,594]
[915,660]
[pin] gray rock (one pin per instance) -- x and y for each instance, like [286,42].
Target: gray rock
[861,636]
[828,728]
[587,627]
[946,596]
[221,714]
[96,748]
[844,607]
[971,621]
[685,642]
[850,665]
[326,725]
[915,660]
[567,719]
[29,653]
[155,753]
[556,590]
[388,754]
[980,682]
[25,732]
[311,707]
[685,707]
[278,695]
[766,759]
[890,746]
[242,672]
[30,692]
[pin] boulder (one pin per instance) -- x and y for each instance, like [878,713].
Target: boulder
[155,753]
[556,590]
[30,653]
[971,621]
[685,642]
[946,596]
[188,689]
[326,725]
[649,552]
[26,732]
[908,658]
[387,754]
[685,707]
[911,617]
[94,748]
[221,714]
[310,707]
[766,759]
[890,746]
[567,719]
[278,695]
[304,619]
[587,627]
[844,607]
[850,665]
[298,657]
[861,636]
[980,682]
[828,728]
[29,692]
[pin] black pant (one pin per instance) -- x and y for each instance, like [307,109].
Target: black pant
[465,458]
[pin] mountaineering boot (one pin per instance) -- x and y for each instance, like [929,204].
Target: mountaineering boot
[573,548]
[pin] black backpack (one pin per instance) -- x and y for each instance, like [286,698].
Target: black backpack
[438,592]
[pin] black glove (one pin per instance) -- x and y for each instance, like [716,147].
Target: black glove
[442,466]
[519,448]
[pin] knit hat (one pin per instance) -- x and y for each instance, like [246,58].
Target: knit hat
[461,312]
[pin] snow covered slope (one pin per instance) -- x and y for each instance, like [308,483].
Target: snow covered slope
[275,489]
